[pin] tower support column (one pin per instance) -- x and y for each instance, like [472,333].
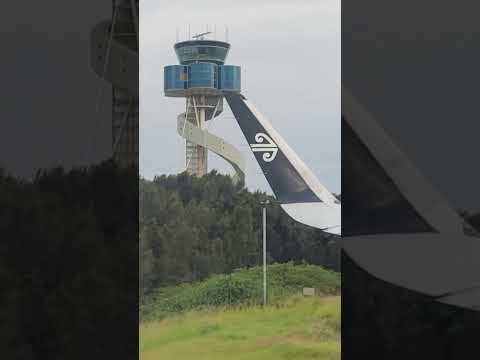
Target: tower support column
[196,156]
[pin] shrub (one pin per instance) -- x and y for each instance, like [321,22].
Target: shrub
[242,287]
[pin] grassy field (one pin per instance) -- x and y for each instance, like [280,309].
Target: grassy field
[298,328]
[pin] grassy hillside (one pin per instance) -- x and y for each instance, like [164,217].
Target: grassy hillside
[296,328]
[221,317]
[241,288]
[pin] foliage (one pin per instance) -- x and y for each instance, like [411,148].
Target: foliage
[243,287]
[193,227]
[295,328]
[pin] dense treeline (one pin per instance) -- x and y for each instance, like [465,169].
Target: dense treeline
[192,227]
[68,264]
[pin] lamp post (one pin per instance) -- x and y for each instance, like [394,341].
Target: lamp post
[264,218]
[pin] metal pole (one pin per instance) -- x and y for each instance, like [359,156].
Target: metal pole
[264,256]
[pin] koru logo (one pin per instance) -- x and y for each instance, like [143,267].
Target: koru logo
[269,149]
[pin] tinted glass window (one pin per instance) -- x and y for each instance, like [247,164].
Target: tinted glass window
[189,54]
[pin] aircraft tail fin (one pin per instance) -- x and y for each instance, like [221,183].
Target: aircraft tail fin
[298,190]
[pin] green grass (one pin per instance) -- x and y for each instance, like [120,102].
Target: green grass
[243,287]
[297,328]
[221,319]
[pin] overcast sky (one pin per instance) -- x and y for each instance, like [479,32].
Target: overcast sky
[49,113]
[290,56]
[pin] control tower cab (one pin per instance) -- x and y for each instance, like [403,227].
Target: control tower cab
[201,70]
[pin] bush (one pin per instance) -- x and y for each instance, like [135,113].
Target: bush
[242,287]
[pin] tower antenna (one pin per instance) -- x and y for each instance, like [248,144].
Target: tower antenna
[200,36]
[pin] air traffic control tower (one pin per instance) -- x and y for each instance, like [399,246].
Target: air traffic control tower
[201,78]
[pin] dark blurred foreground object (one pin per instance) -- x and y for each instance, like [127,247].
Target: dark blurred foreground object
[384,321]
[114,58]
[410,264]
[69,264]
[69,234]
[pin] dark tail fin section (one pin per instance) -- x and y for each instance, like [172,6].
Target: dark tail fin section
[302,196]
[289,178]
